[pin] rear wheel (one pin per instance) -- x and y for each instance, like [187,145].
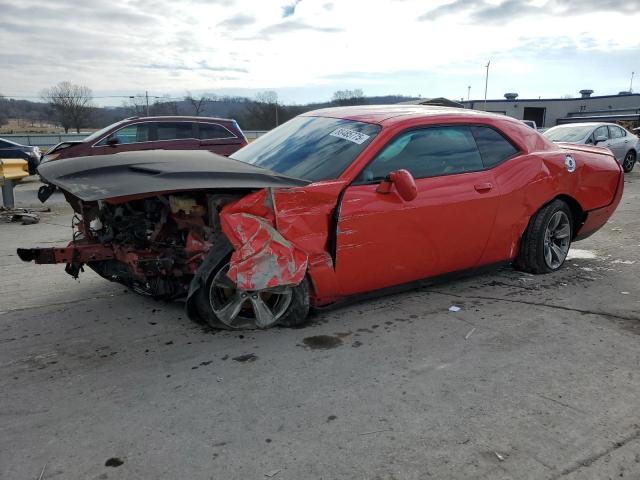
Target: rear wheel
[546,242]
[223,306]
[629,161]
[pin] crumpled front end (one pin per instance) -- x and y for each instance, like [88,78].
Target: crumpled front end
[279,235]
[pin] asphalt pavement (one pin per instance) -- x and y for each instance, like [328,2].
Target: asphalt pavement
[534,377]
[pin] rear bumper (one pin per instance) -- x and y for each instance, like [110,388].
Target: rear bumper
[597,218]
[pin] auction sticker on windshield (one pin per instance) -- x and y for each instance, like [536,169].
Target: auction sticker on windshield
[351,135]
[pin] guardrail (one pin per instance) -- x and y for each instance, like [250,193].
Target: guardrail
[50,139]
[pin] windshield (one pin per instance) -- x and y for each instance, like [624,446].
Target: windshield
[102,131]
[311,148]
[567,134]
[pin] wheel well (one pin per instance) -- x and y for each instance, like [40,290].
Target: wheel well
[577,213]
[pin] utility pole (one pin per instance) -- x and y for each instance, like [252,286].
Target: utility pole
[631,84]
[276,104]
[468,92]
[486,85]
[146,95]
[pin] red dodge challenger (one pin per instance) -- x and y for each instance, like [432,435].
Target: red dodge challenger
[332,204]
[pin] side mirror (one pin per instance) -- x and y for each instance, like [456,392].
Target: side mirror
[600,138]
[113,141]
[404,183]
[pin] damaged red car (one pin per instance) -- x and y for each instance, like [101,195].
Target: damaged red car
[333,204]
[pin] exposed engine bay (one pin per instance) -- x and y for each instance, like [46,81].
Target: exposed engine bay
[158,242]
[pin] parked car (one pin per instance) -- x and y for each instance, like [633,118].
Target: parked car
[219,135]
[9,149]
[624,144]
[333,204]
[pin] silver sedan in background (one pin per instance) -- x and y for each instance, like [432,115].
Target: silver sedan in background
[622,143]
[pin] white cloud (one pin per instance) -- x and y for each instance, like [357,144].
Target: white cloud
[168,46]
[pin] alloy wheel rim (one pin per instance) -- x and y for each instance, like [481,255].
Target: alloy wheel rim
[247,309]
[557,239]
[628,161]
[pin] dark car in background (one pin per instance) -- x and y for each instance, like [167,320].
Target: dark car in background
[218,135]
[9,149]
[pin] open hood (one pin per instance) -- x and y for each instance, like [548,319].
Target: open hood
[132,173]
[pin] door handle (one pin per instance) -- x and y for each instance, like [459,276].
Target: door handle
[483,187]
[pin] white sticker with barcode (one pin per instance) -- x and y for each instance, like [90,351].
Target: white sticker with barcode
[351,135]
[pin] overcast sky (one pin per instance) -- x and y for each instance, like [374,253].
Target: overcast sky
[307,49]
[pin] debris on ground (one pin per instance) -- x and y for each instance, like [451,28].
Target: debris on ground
[375,431]
[454,308]
[466,337]
[624,293]
[42,472]
[27,217]
[500,456]
[272,473]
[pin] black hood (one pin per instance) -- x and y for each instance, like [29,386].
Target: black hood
[131,173]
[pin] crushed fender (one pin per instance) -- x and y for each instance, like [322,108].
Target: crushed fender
[262,257]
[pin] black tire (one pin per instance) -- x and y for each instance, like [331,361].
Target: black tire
[533,245]
[295,315]
[629,161]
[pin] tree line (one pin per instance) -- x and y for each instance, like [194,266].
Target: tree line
[72,107]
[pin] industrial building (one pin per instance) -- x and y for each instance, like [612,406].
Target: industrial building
[623,108]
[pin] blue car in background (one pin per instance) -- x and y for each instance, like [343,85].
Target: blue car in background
[32,155]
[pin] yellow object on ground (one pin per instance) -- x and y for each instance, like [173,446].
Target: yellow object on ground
[13,169]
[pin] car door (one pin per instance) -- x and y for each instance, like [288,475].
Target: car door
[216,138]
[618,142]
[133,137]
[383,240]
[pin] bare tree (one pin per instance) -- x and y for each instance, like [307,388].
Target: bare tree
[72,104]
[266,108]
[164,106]
[268,96]
[198,104]
[4,118]
[348,97]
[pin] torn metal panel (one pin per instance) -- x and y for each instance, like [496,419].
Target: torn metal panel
[280,234]
[262,257]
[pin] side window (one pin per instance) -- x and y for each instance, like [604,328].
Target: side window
[130,134]
[125,135]
[3,144]
[175,130]
[616,132]
[209,131]
[601,132]
[428,152]
[493,146]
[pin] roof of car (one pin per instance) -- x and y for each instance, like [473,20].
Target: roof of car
[12,142]
[180,117]
[585,124]
[390,114]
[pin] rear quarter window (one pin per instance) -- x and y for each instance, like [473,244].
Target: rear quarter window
[494,147]
[212,131]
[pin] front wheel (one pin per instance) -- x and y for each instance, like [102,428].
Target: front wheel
[545,244]
[629,161]
[225,307]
